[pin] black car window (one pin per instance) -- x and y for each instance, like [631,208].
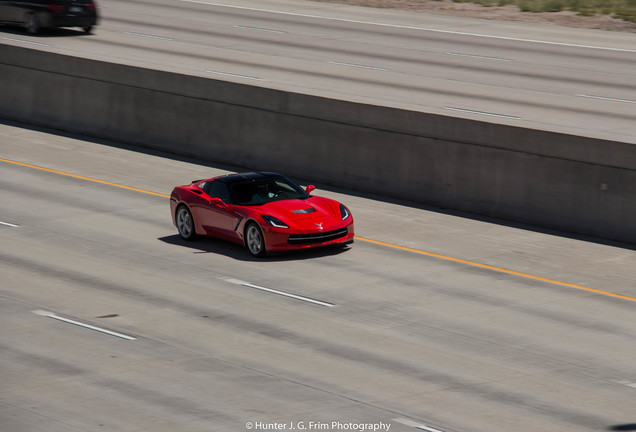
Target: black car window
[218,189]
[261,191]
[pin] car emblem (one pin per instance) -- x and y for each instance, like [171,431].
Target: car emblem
[319,225]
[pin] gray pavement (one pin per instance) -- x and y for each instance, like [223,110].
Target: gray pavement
[546,77]
[177,344]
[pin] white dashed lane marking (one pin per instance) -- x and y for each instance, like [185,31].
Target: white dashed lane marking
[84,325]
[273,291]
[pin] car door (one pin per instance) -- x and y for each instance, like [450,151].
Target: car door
[12,10]
[4,13]
[218,218]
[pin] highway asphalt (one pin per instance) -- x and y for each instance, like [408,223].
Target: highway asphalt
[547,77]
[430,321]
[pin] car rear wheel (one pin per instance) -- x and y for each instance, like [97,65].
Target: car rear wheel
[185,223]
[88,29]
[254,240]
[33,24]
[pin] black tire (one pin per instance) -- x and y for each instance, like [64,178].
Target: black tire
[254,240]
[185,223]
[88,29]
[32,24]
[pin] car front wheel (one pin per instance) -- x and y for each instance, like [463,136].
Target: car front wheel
[254,240]
[185,223]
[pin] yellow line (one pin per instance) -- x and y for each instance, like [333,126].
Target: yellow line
[84,178]
[498,269]
[418,251]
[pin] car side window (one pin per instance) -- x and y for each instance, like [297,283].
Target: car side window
[219,190]
[284,187]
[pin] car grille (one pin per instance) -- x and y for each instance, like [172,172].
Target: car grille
[322,237]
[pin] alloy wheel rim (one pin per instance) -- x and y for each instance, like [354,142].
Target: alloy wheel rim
[185,225]
[254,240]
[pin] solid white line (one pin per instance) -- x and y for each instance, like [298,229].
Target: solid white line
[478,57]
[412,27]
[273,291]
[9,224]
[259,29]
[628,384]
[25,41]
[80,324]
[607,98]
[482,113]
[415,425]
[148,36]
[358,66]
[426,428]
[232,75]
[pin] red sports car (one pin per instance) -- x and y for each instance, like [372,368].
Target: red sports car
[264,211]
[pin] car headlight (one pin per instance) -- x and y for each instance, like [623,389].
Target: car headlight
[274,222]
[344,212]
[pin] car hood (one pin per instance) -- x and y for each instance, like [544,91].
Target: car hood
[296,211]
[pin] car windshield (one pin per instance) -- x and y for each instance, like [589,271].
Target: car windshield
[264,190]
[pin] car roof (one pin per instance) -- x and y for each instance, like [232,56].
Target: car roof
[250,176]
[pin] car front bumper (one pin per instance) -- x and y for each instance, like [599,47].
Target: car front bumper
[54,21]
[277,239]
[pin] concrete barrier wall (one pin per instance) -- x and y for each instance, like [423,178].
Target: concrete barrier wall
[554,180]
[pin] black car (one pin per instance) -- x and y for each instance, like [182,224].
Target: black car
[36,15]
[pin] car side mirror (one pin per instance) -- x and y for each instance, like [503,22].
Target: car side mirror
[310,188]
[218,202]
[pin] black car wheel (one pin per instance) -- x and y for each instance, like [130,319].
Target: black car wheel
[33,24]
[254,240]
[88,29]
[185,223]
